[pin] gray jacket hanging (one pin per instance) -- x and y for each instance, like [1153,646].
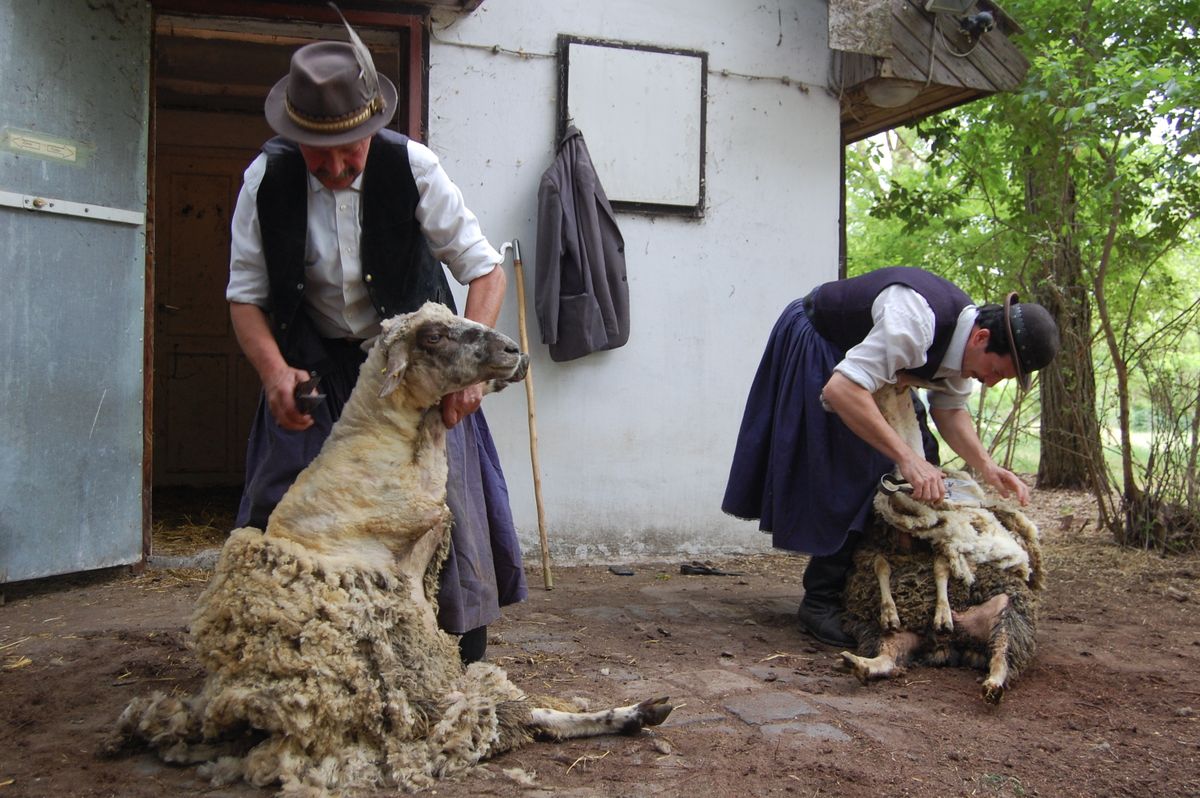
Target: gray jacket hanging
[582,294]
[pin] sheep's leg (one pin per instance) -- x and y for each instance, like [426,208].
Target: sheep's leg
[979,621]
[943,619]
[557,725]
[997,678]
[894,651]
[889,618]
[984,622]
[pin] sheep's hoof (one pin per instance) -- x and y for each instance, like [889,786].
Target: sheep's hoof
[890,621]
[858,666]
[993,692]
[654,711]
[943,623]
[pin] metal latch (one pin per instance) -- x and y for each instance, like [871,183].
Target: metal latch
[101,213]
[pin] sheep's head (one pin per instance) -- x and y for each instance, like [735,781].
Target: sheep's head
[433,352]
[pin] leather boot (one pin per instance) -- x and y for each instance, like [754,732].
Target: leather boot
[820,613]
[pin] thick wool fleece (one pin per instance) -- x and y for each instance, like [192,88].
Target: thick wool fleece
[914,590]
[319,679]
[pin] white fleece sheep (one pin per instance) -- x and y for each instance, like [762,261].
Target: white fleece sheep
[326,668]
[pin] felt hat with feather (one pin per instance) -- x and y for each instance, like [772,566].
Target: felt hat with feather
[332,95]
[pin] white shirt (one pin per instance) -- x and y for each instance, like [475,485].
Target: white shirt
[900,339]
[334,292]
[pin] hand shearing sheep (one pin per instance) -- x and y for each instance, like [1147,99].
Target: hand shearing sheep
[326,670]
[953,582]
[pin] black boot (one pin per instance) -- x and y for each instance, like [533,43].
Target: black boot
[820,613]
[472,645]
[824,622]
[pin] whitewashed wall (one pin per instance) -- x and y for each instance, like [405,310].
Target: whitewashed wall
[635,443]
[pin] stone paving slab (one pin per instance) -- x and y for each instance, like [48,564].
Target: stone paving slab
[714,682]
[805,732]
[764,707]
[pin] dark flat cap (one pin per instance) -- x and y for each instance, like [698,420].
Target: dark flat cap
[1032,336]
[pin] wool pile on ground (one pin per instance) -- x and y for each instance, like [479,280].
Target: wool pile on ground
[324,679]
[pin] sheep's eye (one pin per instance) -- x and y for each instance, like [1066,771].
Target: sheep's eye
[432,338]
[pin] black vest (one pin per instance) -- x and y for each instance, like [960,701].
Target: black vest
[399,270]
[841,310]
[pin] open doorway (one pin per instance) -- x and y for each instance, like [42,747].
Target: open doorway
[211,77]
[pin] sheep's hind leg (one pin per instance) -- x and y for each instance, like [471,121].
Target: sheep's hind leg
[889,618]
[997,678]
[984,622]
[894,651]
[557,725]
[943,619]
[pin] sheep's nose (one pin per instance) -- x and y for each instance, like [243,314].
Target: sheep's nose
[512,349]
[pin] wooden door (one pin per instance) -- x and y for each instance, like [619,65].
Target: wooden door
[205,389]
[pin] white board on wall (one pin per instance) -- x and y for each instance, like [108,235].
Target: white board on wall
[641,110]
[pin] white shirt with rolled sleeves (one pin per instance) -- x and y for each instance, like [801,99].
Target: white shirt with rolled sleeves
[902,335]
[334,291]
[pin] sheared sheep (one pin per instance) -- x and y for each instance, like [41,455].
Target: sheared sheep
[326,667]
[920,568]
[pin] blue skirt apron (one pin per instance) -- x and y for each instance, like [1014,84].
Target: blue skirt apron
[797,468]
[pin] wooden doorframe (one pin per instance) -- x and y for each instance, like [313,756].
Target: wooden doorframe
[413,24]
[412,27]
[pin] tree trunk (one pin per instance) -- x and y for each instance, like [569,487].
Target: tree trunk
[1070,451]
[1071,454]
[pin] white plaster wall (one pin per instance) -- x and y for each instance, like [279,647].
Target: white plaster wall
[635,443]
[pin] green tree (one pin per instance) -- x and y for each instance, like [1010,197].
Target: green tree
[1081,190]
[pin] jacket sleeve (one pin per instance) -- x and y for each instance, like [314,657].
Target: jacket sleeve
[548,276]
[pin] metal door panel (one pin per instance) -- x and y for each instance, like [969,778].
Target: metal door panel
[73,132]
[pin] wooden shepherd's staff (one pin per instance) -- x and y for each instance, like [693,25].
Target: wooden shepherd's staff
[547,578]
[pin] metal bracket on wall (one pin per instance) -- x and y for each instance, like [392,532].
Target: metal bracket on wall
[48,205]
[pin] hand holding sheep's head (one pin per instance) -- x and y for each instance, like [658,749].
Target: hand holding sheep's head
[432,352]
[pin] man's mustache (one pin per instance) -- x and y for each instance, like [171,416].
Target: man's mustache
[348,173]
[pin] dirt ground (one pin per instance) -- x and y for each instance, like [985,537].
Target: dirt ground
[1110,707]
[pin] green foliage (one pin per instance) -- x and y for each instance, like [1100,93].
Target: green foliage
[1108,124]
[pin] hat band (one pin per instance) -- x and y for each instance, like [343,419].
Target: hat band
[337,124]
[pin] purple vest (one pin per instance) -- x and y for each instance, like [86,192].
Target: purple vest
[841,310]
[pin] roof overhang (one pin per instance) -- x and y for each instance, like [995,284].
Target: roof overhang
[896,62]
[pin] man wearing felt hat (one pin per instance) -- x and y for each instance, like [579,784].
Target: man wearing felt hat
[813,444]
[340,224]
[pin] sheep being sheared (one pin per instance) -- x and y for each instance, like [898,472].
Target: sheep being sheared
[920,567]
[961,539]
[326,669]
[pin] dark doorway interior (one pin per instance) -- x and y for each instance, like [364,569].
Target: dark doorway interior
[211,76]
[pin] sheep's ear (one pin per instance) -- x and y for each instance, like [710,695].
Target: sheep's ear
[397,362]
[393,340]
